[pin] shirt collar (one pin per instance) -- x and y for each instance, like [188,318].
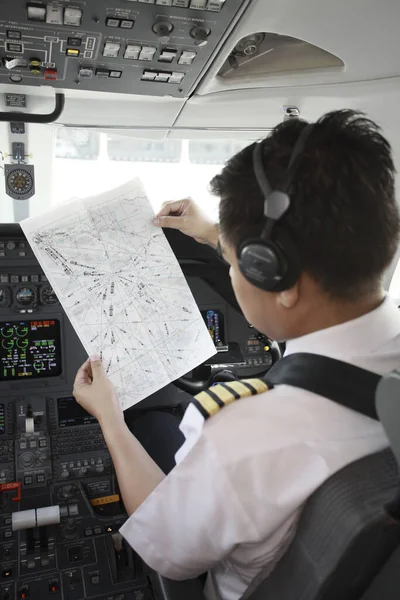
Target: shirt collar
[359,336]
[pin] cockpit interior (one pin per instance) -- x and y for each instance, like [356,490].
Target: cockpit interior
[92,94]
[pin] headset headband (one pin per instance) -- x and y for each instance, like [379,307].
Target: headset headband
[276,202]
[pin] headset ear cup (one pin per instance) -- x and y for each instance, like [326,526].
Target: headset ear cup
[270,265]
[290,255]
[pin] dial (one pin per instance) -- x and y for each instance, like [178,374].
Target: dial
[4,297]
[25,296]
[20,182]
[48,295]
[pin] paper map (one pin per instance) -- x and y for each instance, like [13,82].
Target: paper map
[122,288]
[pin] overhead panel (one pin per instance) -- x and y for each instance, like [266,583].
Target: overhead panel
[145,47]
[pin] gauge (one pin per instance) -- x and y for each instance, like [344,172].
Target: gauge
[25,296]
[48,295]
[5,297]
[20,182]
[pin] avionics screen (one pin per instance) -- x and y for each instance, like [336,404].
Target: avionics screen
[29,349]
[2,420]
[214,320]
[71,414]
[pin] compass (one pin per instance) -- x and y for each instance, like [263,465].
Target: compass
[20,181]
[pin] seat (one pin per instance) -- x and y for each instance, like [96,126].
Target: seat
[347,544]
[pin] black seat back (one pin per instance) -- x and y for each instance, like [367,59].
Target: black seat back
[343,539]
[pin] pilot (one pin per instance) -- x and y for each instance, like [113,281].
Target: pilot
[230,505]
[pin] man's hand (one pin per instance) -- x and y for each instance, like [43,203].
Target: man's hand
[95,393]
[186,216]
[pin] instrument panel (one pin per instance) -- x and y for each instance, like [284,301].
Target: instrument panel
[60,506]
[151,47]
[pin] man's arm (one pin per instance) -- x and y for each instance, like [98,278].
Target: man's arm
[137,473]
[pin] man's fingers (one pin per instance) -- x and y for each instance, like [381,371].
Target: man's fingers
[171,222]
[83,377]
[97,367]
[175,206]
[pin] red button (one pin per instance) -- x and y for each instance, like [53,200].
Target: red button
[51,75]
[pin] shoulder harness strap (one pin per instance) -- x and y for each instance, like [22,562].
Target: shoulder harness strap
[209,402]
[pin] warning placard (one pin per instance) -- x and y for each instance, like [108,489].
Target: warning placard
[15,100]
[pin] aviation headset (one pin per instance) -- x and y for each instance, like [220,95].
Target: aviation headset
[271,261]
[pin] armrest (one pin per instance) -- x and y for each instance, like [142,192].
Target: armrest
[166,589]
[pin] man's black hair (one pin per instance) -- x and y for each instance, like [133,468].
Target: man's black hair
[343,216]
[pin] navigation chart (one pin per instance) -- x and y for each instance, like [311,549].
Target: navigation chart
[122,289]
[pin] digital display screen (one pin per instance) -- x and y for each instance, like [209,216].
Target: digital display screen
[71,414]
[214,320]
[29,349]
[2,420]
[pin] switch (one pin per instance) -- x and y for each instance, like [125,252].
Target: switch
[132,52]
[73,510]
[111,50]
[111,22]
[176,77]
[164,2]
[187,57]
[40,478]
[73,52]
[50,75]
[147,1]
[95,579]
[54,586]
[167,55]
[147,53]
[13,35]
[127,24]
[115,74]
[215,5]
[36,12]
[162,77]
[12,47]
[102,73]
[85,72]
[149,76]
[181,3]
[42,443]
[198,4]
[74,42]
[73,17]
[54,15]
[28,480]
[23,593]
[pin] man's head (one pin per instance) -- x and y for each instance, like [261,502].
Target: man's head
[343,220]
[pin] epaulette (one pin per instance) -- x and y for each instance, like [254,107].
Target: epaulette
[209,402]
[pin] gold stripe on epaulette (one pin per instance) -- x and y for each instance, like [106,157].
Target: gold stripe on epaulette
[211,401]
[259,385]
[208,403]
[223,393]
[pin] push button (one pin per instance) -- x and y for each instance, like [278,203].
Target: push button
[111,50]
[167,56]
[110,22]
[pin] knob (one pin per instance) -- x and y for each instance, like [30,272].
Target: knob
[99,468]
[64,474]
[83,471]
[162,29]
[27,459]
[200,35]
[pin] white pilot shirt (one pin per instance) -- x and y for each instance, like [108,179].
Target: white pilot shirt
[232,502]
